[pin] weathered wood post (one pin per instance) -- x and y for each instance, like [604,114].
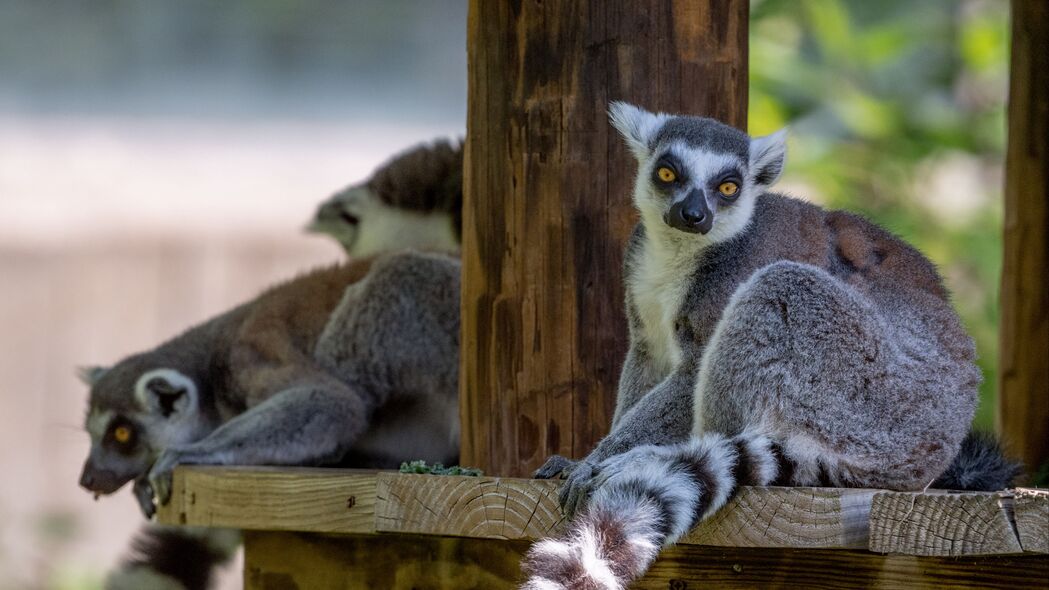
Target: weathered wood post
[547,208]
[1023,385]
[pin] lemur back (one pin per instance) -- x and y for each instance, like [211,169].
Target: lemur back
[771,341]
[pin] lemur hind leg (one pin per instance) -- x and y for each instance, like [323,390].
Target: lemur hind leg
[857,394]
[396,332]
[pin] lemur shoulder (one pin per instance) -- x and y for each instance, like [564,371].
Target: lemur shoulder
[772,341]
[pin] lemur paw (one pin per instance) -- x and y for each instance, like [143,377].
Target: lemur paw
[556,467]
[577,487]
[160,475]
[144,494]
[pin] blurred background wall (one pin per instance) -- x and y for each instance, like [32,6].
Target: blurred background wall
[158,161]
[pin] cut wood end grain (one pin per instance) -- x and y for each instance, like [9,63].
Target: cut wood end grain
[1031,508]
[942,524]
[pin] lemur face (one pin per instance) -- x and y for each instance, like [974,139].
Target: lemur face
[696,175]
[340,216]
[133,416]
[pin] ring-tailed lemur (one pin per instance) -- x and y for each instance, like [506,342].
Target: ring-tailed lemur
[414,200]
[799,346]
[355,364]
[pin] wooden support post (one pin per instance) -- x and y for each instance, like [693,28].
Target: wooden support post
[547,203]
[1023,386]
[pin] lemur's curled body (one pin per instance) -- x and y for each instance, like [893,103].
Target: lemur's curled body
[355,364]
[797,346]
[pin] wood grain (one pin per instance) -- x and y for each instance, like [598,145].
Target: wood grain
[286,561]
[789,517]
[547,207]
[351,501]
[487,507]
[272,498]
[941,524]
[1023,368]
[1031,509]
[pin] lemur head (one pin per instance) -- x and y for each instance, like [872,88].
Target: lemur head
[696,175]
[136,410]
[412,201]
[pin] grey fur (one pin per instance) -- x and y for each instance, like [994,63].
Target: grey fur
[312,372]
[816,329]
[705,134]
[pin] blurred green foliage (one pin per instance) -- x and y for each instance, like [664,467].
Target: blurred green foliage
[897,111]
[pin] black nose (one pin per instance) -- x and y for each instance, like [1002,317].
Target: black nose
[87,481]
[693,215]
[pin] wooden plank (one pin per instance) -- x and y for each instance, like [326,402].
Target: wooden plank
[1023,368]
[319,500]
[292,561]
[789,517]
[487,507]
[1031,509]
[272,498]
[942,524]
[504,508]
[282,561]
[547,207]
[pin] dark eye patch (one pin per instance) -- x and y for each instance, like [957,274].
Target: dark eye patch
[727,174]
[118,427]
[668,160]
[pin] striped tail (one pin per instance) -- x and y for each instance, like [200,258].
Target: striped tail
[173,558]
[643,500]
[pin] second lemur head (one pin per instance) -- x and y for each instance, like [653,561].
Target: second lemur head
[414,200]
[136,409]
[696,175]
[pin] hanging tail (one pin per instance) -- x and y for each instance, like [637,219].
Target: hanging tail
[644,499]
[980,466]
[173,558]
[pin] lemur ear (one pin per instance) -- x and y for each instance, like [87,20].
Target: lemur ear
[636,125]
[89,375]
[167,393]
[768,154]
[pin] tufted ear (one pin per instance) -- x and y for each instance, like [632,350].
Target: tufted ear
[768,154]
[167,393]
[89,375]
[636,125]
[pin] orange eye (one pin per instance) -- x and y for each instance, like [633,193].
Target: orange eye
[728,188]
[666,174]
[122,434]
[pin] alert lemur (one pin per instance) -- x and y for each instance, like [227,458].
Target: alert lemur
[414,200]
[355,364]
[798,346]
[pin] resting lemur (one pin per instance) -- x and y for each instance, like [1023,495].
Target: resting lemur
[799,346]
[355,364]
[414,200]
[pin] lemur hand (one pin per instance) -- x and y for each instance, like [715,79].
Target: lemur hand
[578,486]
[144,494]
[556,467]
[160,475]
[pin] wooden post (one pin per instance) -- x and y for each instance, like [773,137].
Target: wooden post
[547,203]
[1023,387]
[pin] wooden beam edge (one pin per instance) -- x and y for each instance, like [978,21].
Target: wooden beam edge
[367,502]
